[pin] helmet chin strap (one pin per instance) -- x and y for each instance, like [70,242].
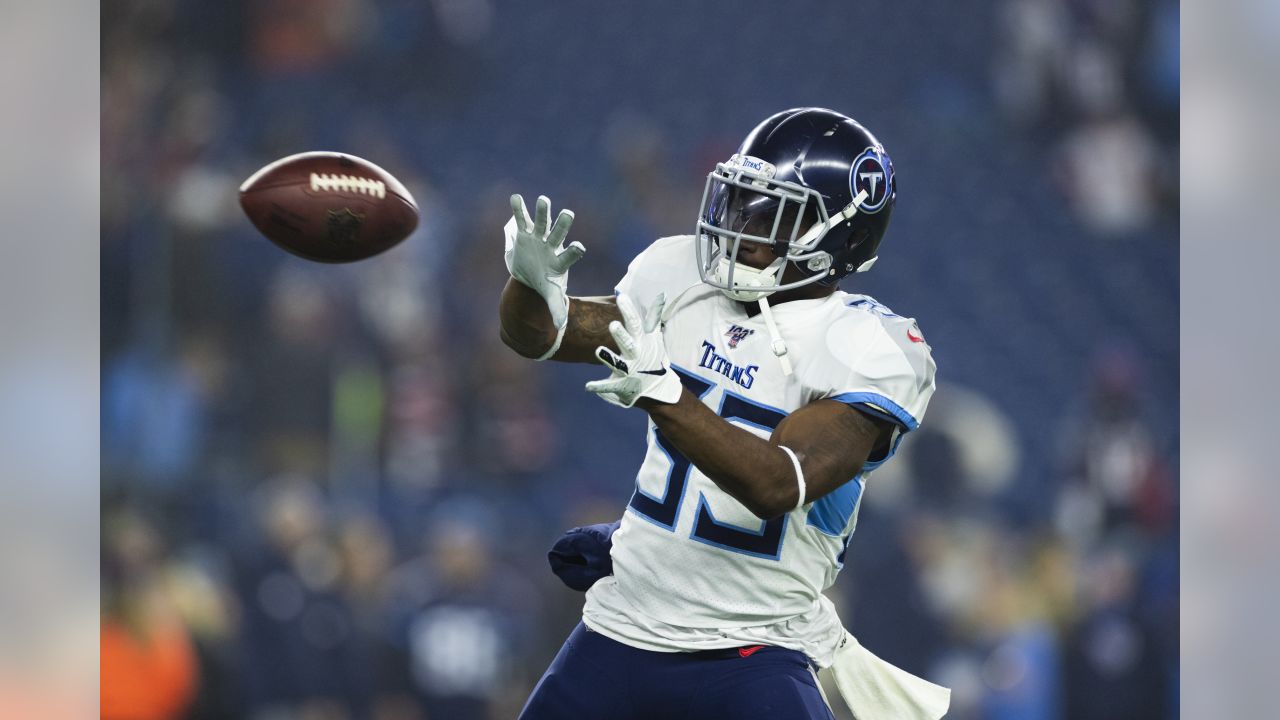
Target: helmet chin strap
[775,338]
[760,283]
[750,284]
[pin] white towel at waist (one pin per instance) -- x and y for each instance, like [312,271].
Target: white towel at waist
[876,690]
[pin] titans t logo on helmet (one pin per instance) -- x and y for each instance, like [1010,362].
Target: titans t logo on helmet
[873,172]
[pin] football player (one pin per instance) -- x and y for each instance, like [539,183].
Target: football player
[771,395]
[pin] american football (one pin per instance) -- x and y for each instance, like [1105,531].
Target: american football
[329,207]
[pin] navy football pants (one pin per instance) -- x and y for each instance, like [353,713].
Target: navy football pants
[594,677]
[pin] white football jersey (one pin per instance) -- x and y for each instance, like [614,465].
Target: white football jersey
[693,568]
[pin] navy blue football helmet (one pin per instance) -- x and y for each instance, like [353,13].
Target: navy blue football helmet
[814,185]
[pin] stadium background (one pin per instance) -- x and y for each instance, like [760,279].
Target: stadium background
[328,491]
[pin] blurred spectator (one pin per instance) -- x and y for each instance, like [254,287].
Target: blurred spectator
[1035,33]
[1116,479]
[149,667]
[290,412]
[298,650]
[464,621]
[295,36]
[203,597]
[1108,168]
[1071,70]
[156,411]
[1114,668]
[890,612]
[514,436]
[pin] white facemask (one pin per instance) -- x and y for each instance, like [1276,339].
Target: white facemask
[747,279]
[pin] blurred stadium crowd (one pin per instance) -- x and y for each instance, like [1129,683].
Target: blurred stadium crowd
[328,491]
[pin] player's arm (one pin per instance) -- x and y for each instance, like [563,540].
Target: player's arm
[526,325]
[537,317]
[831,441]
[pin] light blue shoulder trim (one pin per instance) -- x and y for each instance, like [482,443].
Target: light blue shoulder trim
[903,417]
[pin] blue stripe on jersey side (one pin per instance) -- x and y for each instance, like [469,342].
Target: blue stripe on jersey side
[899,414]
[764,526]
[830,514]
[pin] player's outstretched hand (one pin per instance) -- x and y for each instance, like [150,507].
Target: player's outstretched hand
[535,257]
[640,368]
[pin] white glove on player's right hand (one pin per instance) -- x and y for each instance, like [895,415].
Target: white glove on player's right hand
[535,258]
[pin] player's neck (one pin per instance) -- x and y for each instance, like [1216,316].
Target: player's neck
[813,291]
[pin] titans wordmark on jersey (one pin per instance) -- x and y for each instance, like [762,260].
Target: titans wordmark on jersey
[693,567]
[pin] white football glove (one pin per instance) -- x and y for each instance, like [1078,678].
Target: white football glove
[642,369]
[535,257]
